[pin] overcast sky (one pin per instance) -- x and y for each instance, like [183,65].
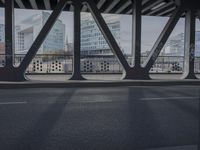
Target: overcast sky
[151,27]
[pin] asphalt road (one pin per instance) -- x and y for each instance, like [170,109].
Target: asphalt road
[119,118]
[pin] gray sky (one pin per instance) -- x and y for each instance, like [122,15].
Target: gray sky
[151,27]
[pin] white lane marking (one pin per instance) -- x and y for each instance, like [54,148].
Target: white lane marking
[61,102]
[12,103]
[168,98]
[83,101]
[95,101]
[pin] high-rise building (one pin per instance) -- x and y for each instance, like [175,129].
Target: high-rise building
[2,38]
[2,33]
[92,40]
[31,27]
[175,45]
[68,47]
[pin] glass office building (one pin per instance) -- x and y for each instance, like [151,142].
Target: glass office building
[92,40]
[175,45]
[31,27]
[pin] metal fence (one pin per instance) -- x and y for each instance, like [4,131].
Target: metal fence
[55,63]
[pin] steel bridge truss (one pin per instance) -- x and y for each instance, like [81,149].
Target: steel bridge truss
[137,71]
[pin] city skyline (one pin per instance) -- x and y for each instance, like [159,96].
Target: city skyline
[32,25]
[151,27]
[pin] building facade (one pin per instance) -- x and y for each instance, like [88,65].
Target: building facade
[2,38]
[31,27]
[92,40]
[175,45]
[2,33]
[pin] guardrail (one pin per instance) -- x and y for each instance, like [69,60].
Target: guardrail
[57,63]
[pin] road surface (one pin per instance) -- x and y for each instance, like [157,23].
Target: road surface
[115,118]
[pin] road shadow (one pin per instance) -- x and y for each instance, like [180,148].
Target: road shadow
[144,128]
[36,137]
[181,116]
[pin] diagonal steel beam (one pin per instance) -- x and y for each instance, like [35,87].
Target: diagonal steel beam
[166,11]
[146,4]
[107,33]
[161,8]
[111,6]
[159,44]
[20,4]
[153,4]
[47,4]
[124,6]
[42,35]
[100,3]
[33,4]
[145,1]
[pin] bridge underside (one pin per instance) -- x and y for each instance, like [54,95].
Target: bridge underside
[149,7]
[175,9]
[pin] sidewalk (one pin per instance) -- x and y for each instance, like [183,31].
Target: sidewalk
[61,81]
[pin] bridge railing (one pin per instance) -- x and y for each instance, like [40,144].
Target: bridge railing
[56,63]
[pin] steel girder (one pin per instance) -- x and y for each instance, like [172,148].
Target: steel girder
[11,73]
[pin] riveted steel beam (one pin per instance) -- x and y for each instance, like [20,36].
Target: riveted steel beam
[129,72]
[124,6]
[159,44]
[33,4]
[189,45]
[100,3]
[47,5]
[107,33]
[20,4]
[151,5]
[76,75]
[42,35]
[9,72]
[9,33]
[136,43]
[111,6]
[161,8]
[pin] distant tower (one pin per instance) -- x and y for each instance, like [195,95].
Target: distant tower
[67,44]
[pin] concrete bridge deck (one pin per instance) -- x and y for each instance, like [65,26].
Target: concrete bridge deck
[99,80]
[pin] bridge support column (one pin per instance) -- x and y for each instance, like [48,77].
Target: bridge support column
[9,72]
[77,41]
[129,72]
[189,47]
[137,72]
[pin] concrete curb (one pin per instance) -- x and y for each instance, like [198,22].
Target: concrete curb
[91,83]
